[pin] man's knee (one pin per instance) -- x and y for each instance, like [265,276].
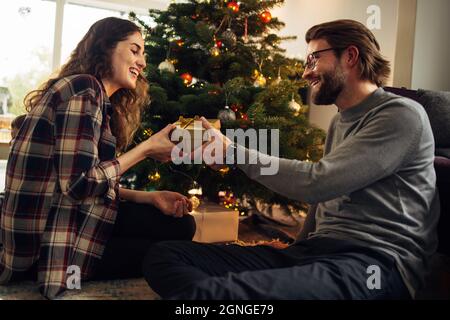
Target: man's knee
[160,253]
[160,258]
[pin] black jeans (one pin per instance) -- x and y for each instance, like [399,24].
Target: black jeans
[312,269]
[137,226]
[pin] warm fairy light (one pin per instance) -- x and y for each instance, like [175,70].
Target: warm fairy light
[148,133]
[154,177]
[195,192]
[187,78]
[224,170]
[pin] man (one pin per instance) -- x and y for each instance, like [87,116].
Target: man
[371,226]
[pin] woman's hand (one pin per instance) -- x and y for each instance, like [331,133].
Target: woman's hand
[159,146]
[171,203]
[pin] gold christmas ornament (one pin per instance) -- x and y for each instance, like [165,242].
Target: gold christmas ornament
[260,82]
[166,65]
[294,106]
[277,81]
[215,51]
[195,202]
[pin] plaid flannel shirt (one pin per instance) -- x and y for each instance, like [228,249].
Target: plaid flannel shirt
[61,186]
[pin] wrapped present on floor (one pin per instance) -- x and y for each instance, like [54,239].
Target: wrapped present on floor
[192,130]
[215,223]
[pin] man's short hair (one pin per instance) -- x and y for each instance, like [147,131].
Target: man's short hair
[345,33]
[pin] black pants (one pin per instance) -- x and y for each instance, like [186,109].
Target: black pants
[312,269]
[137,227]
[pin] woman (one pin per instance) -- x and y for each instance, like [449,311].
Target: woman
[62,215]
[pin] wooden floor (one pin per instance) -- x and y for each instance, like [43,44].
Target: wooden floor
[250,231]
[130,289]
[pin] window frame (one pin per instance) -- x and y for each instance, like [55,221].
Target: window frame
[140,7]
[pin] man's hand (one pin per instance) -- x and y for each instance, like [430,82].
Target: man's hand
[219,141]
[170,203]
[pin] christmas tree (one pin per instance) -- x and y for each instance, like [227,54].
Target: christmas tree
[222,59]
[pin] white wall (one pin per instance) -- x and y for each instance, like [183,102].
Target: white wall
[431,63]
[300,15]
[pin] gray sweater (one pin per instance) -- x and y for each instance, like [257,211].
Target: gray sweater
[375,185]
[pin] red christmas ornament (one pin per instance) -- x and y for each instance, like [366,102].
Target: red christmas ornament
[187,78]
[219,44]
[266,17]
[244,116]
[234,6]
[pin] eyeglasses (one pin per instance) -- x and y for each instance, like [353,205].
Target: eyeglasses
[312,58]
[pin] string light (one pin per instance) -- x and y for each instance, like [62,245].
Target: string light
[154,177]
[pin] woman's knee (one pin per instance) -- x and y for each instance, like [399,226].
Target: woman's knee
[187,228]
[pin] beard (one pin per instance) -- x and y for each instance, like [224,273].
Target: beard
[331,85]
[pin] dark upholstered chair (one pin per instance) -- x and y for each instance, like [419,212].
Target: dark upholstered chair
[442,166]
[438,110]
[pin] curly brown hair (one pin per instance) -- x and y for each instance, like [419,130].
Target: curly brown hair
[93,56]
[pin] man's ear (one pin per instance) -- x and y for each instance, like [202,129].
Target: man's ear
[352,56]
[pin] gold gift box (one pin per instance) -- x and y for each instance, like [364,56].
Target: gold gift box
[193,128]
[215,224]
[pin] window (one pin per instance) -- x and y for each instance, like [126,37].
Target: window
[75,28]
[29,48]
[26,29]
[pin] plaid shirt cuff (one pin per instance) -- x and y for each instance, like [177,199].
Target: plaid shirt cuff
[111,171]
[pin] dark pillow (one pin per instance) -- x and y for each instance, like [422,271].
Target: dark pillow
[437,106]
[443,152]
